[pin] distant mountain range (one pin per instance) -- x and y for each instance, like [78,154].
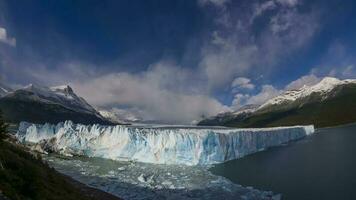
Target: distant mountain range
[39,104]
[119,116]
[328,103]
[4,89]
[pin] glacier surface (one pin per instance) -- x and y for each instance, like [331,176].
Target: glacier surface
[159,145]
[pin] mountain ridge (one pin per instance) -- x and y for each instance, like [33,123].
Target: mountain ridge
[4,89]
[318,104]
[40,104]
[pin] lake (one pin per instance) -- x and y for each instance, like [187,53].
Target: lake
[321,166]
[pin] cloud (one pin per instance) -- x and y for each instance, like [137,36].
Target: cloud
[293,27]
[243,83]
[349,71]
[268,91]
[165,91]
[4,38]
[259,9]
[337,61]
[236,48]
[218,3]
[25,72]
[306,80]
[239,100]
[290,3]
[161,93]
[122,115]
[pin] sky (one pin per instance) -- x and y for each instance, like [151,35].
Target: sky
[176,61]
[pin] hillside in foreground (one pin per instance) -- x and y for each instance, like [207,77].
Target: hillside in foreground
[25,176]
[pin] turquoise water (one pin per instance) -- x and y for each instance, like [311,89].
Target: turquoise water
[321,166]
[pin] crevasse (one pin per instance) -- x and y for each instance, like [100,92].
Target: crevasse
[160,145]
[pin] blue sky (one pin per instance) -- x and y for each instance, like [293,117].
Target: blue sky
[176,61]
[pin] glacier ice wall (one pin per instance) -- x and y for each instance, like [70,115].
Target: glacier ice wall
[161,145]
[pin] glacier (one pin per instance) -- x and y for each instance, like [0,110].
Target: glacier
[158,145]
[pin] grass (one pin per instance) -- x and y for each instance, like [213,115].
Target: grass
[23,176]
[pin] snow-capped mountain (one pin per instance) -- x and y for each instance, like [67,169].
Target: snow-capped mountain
[4,89]
[246,109]
[48,104]
[63,95]
[323,88]
[224,117]
[329,102]
[119,116]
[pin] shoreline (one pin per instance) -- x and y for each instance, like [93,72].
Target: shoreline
[35,158]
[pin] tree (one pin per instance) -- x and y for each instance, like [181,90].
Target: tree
[3,134]
[3,128]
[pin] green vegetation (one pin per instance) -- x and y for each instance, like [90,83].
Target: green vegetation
[23,175]
[3,128]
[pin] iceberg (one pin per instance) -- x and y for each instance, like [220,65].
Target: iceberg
[158,145]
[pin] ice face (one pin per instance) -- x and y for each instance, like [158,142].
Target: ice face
[159,145]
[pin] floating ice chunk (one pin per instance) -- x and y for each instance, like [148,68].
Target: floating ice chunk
[121,169]
[141,178]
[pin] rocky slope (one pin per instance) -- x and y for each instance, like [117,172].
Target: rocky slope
[41,104]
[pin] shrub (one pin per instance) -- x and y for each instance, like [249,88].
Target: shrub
[3,128]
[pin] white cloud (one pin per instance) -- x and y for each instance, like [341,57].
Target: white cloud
[337,62]
[294,27]
[218,3]
[122,115]
[170,93]
[290,3]
[162,93]
[225,59]
[236,49]
[259,9]
[242,82]
[306,80]
[349,71]
[4,38]
[267,92]
[239,100]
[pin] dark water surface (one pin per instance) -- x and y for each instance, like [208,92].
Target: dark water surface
[321,166]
